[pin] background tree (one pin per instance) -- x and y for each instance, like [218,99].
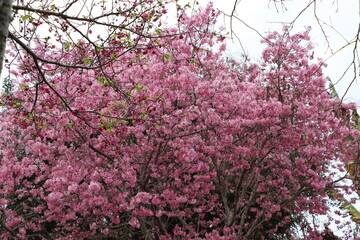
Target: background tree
[170,141]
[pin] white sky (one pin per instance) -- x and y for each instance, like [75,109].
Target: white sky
[342,16]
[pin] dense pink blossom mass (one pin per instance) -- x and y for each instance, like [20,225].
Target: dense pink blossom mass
[172,140]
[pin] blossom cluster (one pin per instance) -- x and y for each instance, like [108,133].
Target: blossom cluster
[172,141]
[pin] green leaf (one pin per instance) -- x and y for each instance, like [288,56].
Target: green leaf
[67,45]
[143,114]
[128,93]
[332,88]
[167,57]
[294,155]
[114,56]
[88,61]
[345,205]
[16,105]
[99,48]
[103,81]
[187,5]
[349,138]
[355,214]
[25,17]
[121,104]
[138,87]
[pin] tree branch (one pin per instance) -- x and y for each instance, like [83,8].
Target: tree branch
[35,56]
[65,16]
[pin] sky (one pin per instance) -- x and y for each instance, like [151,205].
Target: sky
[339,21]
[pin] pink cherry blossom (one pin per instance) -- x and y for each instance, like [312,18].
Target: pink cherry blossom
[174,143]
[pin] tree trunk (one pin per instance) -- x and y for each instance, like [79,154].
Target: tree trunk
[5,19]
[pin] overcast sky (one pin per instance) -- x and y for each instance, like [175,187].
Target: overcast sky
[340,21]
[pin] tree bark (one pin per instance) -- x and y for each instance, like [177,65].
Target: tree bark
[5,19]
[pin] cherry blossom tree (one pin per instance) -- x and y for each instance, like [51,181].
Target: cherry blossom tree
[170,140]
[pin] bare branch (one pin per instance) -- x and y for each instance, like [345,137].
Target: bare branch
[65,16]
[354,63]
[35,56]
